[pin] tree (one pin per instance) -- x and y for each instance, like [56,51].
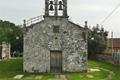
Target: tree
[97,40]
[12,34]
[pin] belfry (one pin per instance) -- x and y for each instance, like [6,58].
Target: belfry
[56,8]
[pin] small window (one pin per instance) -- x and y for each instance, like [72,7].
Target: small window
[56,29]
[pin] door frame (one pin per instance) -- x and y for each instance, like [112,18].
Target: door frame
[61,60]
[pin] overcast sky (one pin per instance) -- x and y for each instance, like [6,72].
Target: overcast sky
[93,11]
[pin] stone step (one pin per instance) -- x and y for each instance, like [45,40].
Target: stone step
[38,77]
[20,76]
[59,77]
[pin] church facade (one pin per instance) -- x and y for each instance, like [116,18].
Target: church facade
[55,44]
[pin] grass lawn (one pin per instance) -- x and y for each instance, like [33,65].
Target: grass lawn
[10,68]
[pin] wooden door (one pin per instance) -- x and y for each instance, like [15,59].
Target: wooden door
[56,61]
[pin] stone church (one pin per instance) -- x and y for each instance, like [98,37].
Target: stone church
[55,44]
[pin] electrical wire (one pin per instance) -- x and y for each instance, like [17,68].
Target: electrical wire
[111,13]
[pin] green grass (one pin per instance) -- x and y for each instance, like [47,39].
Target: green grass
[10,68]
[115,69]
[47,76]
[83,76]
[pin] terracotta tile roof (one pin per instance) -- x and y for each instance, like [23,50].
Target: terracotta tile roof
[116,43]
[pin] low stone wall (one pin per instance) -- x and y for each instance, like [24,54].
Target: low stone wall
[107,58]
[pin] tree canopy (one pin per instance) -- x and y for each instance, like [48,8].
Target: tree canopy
[97,40]
[12,34]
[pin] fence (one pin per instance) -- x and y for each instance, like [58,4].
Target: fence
[116,57]
[33,20]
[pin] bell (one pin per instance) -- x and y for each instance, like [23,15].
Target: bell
[51,2]
[51,8]
[60,7]
[60,2]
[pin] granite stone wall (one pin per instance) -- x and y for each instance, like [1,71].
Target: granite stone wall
[106,58]
[40,39]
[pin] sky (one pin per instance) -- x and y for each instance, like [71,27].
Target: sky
[79,11]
